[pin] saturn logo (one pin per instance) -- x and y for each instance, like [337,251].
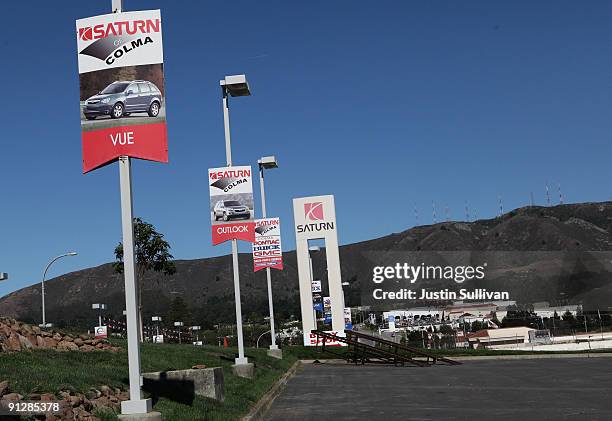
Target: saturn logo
[314,211]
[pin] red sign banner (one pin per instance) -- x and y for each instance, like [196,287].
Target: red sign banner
[147,141]
[244,231]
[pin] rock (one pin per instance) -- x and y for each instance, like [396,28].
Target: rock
[67,346]
[87,348]
[67,414]
[50,342]
[40,342]
[87,404]
[45,333]
[34,396]
[88,341]
[36,330]
[107,391]
[84,337]
[26,329]
[51,417]
[75,400]
[4,387]
[48,397]
[199,366]
[68,338]
[80,413]
[33,340]
[95,393]
[64,395]
[12,343]
[25,342]
[12,397]
[78,341]
[57,337]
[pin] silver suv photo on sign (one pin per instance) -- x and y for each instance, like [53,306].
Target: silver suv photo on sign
[230,209]
[122,98]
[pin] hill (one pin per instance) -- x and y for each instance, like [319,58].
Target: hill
[206,285]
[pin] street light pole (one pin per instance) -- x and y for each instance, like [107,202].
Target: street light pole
[99,307]
[225,89]
[42,292]
[268,162]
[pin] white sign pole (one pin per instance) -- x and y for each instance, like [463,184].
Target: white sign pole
[135,405]
[228,154]
[268,274]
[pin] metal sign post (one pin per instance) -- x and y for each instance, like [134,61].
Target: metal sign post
[136,404]
[274,351]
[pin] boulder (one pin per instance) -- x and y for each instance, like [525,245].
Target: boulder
[4,387]
[12,343]
[48,397]
[25,342]
[75,400]
[67,346]
[78,341]
[106,391]
[50,342]
[40,342]
[12,397]
[87,348]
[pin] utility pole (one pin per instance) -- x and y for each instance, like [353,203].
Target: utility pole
[433,205]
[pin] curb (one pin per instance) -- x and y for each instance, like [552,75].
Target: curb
[261,407]
[531,356]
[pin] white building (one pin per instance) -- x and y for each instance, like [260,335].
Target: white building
[493,337]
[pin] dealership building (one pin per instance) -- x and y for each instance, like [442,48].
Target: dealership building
[488,338]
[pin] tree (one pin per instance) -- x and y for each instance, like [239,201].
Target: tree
[152,252]
[179,312]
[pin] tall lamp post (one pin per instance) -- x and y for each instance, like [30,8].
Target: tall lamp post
[157,319]
[99,307]
[179,325]
[234,86]
[196,329]
[268,162]
[44,317]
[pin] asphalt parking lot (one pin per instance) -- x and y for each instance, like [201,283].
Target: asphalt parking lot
[524,390]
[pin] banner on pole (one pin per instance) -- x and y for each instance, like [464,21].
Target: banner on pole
[231,199]
[267,248]
[122,93]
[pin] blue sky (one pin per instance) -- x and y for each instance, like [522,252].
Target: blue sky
[388,105]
